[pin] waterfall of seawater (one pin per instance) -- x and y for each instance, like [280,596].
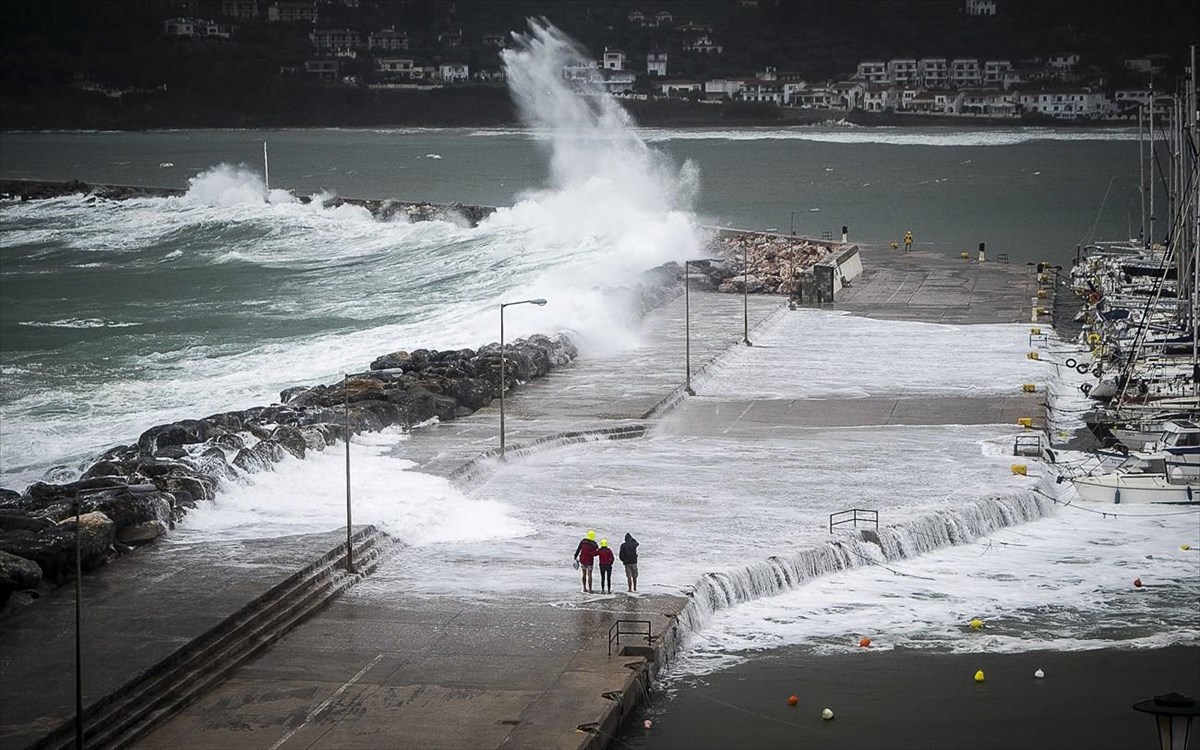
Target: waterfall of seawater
[778,574]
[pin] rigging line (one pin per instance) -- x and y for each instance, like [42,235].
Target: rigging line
[1070,504]
[893,571]
[1092,232]
[754,713]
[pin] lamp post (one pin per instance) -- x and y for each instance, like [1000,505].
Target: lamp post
[78,635]
[687,323]
[539,303]
[1173,714]
[793,222]
[346,416]
[746,297]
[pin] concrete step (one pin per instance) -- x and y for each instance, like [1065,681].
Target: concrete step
[118,719]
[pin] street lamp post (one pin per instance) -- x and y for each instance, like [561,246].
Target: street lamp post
[687,323]
[746,297]
[78,634]
[503,385]
[793,221]
[346,416]
[1173,713]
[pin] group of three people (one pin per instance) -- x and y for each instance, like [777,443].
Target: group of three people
[587,553]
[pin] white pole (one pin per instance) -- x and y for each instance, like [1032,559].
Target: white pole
[266,168]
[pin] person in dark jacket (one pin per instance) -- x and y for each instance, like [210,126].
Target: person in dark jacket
[585,554]
[628,555]
[605,556]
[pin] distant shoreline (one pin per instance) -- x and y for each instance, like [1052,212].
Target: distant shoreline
[472,107]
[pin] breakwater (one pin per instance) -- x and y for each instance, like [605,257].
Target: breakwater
[384,210]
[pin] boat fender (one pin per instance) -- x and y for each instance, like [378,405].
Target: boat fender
[1097,371]
[1081,368]
[1086,388]
[1071,361]
[1094,297]
[1093,338]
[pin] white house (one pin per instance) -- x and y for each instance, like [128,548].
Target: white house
[723,88]
[933,72]
[333,39]
[179,27]
[679,86]
[292,11]
[816,97]
[994,72]
[614,59]
[454,73]
[988,102]
[762,91]
[964,72]
[619,81]
[981,7]
[325,69]
[656,63]
[902,72]
[586,72]
[948,102]
[879,98]
[872,71]
[704,45]
[387,40]
[394,66]
[1069,104]
[1064,62]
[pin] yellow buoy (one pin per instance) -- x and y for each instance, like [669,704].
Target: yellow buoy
[1032,355]
[964,256]
[1026,422]
[976,624]
[1036,331]
[1028,387]
[1043,311]
[1185,547]
[1093,338]
[1041,294]
[1021,469]
[979,676]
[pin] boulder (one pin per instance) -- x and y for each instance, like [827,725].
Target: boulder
[15,520]
[53,549]
[291,439]
[141,533]
[9,498]
[183,432]
[128,506]
[17,574]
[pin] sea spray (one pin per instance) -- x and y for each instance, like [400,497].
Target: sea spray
[778,574]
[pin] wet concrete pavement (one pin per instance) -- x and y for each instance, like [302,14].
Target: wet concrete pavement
[401,671]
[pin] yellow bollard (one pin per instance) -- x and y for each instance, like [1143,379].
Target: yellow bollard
[1032,355]
[1029,387]
[1026,422]
[1041,278]
[1041,294]
[1020,469]
[1036,331]
[965,256]
[1043,311]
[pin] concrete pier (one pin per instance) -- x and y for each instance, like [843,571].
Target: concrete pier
[388,669]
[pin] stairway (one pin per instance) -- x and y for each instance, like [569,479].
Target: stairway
[120,718]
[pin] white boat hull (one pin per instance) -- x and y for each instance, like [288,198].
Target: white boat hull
[1136,488]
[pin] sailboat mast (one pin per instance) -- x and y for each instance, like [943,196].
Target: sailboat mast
[266,168]
[1142,173]
[1151,131]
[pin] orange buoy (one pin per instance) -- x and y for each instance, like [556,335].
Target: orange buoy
[793,700]
[864,642]
[1137,583]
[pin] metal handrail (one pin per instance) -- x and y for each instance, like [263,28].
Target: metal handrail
[616,631]
[852,516]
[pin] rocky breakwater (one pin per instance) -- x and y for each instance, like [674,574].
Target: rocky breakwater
[777,264]
[135,492]
[383,210]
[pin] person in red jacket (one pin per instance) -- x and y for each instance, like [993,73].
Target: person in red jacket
[585,553]
[606,562]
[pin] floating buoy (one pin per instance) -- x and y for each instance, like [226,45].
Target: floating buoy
[1093,338]
[864,642]
[1026,422]
[976,624]
[1041,294]
[1039,674]
[1036,331]
[647,723]
[1137,583]
[979,676]
[1032,355]
[1185,547]
[827,714]
[793,700]
[1020,469]
[965,256]
[1029,387]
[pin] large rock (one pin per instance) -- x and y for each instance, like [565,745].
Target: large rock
[16,520]
[17,574]
[183,432]
[53,549]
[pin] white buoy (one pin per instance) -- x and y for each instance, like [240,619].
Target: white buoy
[1039,674]
[647,723]
[827,714]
